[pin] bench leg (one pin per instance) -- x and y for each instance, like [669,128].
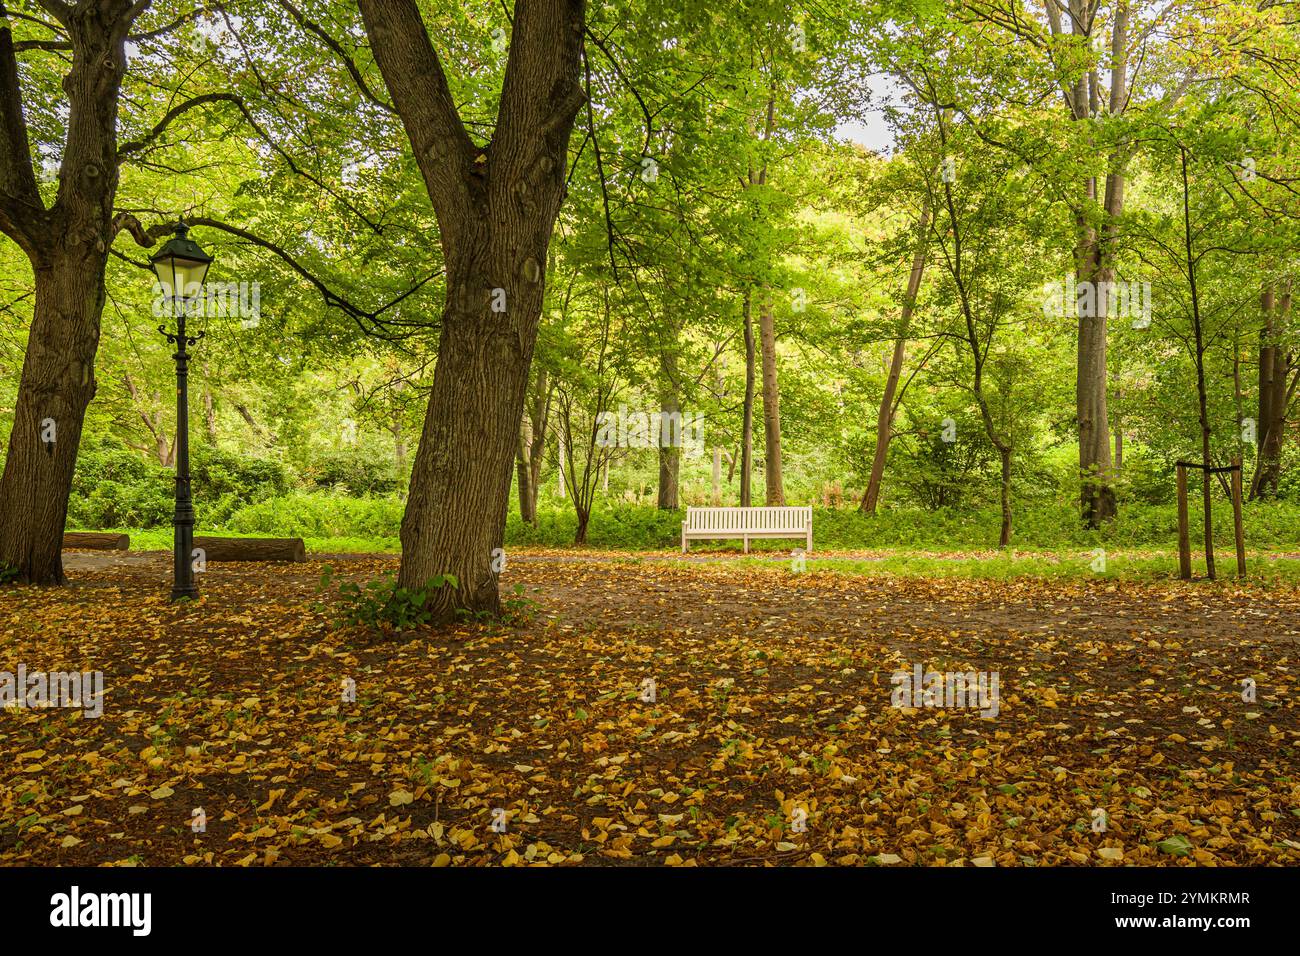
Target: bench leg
[683,537]
[747,544]
[808,549]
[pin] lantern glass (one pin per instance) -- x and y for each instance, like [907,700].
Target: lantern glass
[181,266]
[180,276]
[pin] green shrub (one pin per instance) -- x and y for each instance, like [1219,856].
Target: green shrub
[383,606]
[350,471]
[116,488]
[320,516]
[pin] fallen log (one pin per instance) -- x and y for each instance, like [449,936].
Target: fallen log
[252,549]
[96,540]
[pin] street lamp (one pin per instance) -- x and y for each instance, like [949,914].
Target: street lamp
[181,267]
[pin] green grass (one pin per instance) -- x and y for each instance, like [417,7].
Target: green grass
[160,539]
[1138,567]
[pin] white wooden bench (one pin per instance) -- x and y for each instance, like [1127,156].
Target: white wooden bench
[747,523]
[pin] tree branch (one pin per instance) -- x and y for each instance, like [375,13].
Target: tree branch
[134,146]
[413,73]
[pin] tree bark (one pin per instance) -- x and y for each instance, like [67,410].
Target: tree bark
[96,541]
[252,549]
[670,460]
[1004,538]
[1094,262]
[496,207]
[56,386]
[532,447]
[670,456]
[67,245]
[210,417]
[747,424]
[1201,396]
[885,416]
[524,475]
[771,405]
[1273,371]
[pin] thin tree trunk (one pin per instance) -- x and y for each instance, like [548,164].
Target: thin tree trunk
[1004,538]
[524,473]
[539,421]
[670,459]
[162,448]
[1273,370]
[210,417]
[885,416]
[1202,403]
[670,455]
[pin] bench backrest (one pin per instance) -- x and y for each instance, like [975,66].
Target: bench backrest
[748,519]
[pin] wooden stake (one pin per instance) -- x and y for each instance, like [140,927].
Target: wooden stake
[1236,518]
[1184,542]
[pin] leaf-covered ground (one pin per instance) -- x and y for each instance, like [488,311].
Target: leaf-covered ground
[773,700]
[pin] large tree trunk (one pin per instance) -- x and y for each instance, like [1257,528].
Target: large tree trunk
[1094,262]
[771,405]
[1273,370]
[747,423]
[68,248]
[496,208]
[57,384]
[460,486]
[885,416]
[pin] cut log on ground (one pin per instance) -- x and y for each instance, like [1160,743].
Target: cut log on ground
[96,540]
[252,549]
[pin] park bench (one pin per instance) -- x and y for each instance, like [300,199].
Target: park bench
[747,523]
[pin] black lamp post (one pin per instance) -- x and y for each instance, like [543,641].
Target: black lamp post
[181,267]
